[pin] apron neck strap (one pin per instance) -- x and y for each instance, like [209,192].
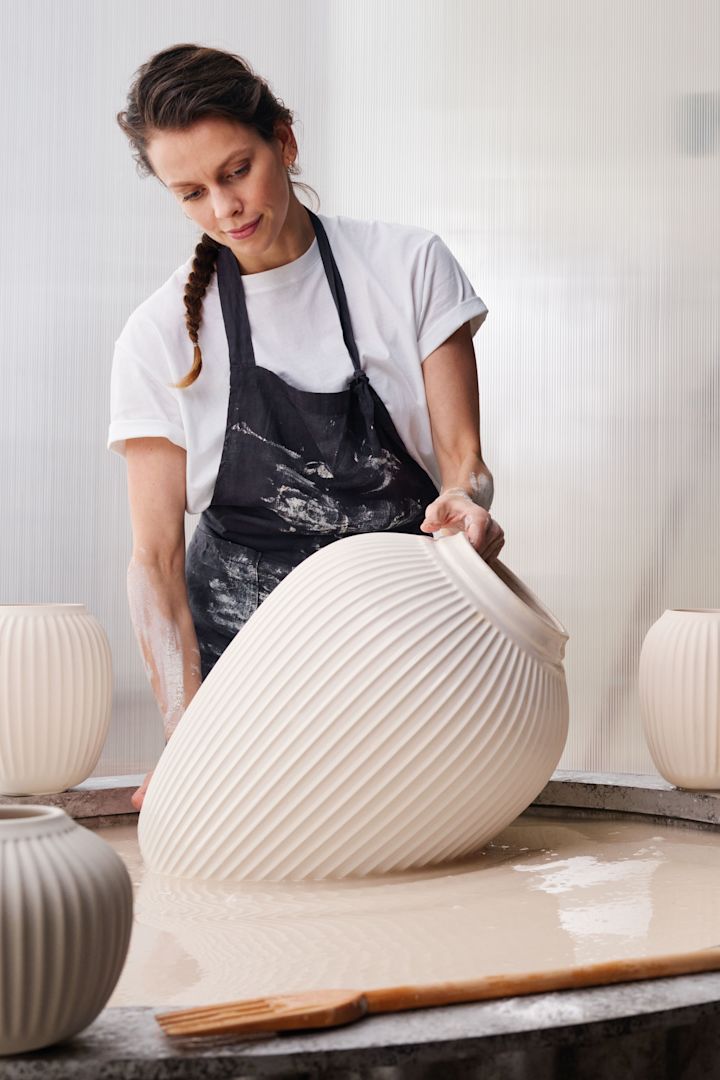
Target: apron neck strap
[336,288]
[234,307]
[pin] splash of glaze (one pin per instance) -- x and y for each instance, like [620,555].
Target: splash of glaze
[244,429]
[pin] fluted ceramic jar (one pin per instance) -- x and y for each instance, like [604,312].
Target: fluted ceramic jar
[66,910]
[55,696]
[679,682]
[395,702]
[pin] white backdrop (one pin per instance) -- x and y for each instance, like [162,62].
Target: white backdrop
[568,151]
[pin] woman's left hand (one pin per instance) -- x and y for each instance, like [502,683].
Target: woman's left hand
[455,511]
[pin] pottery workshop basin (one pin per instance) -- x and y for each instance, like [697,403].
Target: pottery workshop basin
[649,827]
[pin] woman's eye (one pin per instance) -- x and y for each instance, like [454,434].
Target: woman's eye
[191,195]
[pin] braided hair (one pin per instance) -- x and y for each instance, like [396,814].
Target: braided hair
[171,91]
[203,267]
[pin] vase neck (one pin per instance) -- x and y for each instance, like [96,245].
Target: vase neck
[502,598]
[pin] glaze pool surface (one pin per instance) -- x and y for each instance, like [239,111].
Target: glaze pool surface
[546,893]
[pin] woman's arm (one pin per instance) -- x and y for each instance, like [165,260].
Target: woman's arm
[451,390]
[157,591]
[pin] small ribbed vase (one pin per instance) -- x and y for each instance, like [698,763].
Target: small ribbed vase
[66,915]
[679,681]
[395,702]
[55,696]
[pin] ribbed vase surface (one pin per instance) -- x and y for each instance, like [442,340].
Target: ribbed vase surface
[65,921]
[394,702]
[55,696]
[679,682]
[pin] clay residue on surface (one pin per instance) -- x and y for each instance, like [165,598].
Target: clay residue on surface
[307,507]
[304,500]
[547,893]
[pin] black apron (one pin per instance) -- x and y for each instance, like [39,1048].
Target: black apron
[298,470]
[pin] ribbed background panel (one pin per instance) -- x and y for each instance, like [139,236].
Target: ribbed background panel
[55,697]
[369,717]
[680,697]
[567,152]
[65,923]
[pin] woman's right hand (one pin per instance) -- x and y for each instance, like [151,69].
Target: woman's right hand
[138,796]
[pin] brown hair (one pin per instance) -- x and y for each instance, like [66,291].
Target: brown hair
[171,91]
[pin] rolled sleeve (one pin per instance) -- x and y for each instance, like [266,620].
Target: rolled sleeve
[445,299]
[141,403]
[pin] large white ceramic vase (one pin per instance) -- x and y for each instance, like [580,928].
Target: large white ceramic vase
[55,696]
[679,682]
[66,910]
[394,703]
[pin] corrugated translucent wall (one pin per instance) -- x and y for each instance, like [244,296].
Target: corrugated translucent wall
[568,151]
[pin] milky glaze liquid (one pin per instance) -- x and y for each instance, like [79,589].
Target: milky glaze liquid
[547,893]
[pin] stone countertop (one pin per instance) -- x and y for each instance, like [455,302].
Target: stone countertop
[97,797]
[628,793]
[103,797]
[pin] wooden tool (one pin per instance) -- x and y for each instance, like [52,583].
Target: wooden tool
[329,1008]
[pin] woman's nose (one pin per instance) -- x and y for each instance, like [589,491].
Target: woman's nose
[225,203]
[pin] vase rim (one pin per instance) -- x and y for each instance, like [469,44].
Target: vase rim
[52,606]
[30,820]
[503,597]
[696,610]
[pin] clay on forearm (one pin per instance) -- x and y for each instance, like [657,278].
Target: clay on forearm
[170,654]
[480,489]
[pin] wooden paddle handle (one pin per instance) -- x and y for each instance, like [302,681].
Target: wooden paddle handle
[398,998]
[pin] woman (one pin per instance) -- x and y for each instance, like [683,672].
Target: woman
[300,379]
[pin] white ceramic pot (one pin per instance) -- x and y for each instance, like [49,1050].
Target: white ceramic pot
[679,681]
[395,702]
[55,696]
[66,910]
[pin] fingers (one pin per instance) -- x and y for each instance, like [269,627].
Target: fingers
[436,515]
[486,537]
[493,543]
[138,797]
[450,512]
[475,531]
[493,550]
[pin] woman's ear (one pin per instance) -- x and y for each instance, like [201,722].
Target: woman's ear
[284,134]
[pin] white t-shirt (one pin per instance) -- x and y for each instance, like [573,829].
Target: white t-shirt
[406,293]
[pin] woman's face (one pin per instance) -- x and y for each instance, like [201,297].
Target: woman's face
[226,176]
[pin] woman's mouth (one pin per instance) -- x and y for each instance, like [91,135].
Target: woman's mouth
[241,234]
